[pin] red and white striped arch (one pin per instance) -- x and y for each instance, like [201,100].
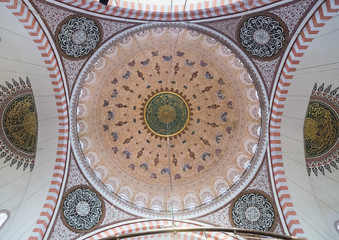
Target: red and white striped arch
[325,12]
[159,12]
[191,5]
[33,27]
[124,228]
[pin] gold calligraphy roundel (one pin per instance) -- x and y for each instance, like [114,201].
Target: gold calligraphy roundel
[166,114]
[20,123]
[321,129]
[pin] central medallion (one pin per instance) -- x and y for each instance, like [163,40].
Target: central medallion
[166,114]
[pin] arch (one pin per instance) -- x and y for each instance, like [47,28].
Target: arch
[113,184]
[174,201]
[206,194]
[233,175]
[35,30]
[122,228]
[141,11]
[92,158]
[220,186]
[100,172]
[157,203]
[250,146]
[243,161]
[190,200]
[327,10]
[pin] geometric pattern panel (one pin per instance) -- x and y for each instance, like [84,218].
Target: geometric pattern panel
[78,37]
[321,130]
[253,211]
[262,36]
[18,135]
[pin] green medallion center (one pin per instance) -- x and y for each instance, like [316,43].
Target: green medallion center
[166,114]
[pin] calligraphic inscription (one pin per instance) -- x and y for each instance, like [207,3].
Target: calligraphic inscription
[20,123]
[320,129]
[166,114]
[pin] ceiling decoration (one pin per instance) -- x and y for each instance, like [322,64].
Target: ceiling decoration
[166,114]
[262,36]
[253,211]
[178,106]
[82,209]
[78,36]
[321,130]
[18,135]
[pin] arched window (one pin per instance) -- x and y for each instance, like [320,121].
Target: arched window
[4,215]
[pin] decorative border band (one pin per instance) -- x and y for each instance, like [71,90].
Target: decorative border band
[158,13]
[148,225]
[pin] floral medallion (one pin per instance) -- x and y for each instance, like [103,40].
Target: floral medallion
[253,211]
[18,137]
[78,36]
[82,209]
[262,36]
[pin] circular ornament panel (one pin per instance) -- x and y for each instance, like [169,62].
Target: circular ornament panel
[262,36]
[78,37]
[321,129]
[82,209]
[253,211]
[19,123]
[166,114]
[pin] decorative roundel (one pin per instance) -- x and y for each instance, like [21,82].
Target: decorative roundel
[253,211]
[78,36]
[320,129]
[82,209]
[20,123]
[262,36]
[18,137]
[166,114]
[321,133]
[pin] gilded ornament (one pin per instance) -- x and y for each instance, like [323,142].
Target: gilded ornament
[166,114]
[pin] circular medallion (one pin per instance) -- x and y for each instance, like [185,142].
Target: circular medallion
[166,114]
[78,36]
[20,123]
[253,211]
[82,209]
[321,129]
[262,36]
